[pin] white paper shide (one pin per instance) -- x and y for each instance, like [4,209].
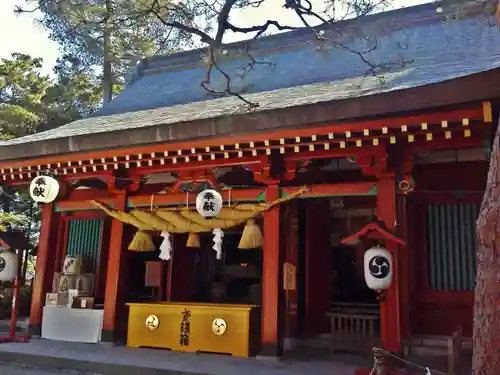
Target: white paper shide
[165,247]
[218,236]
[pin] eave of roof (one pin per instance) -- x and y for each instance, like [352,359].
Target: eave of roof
[460,91]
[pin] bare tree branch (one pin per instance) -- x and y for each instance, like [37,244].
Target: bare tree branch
[209,20]
[222,20]
[260,29]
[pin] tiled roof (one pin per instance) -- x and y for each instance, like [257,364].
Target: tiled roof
[166,90]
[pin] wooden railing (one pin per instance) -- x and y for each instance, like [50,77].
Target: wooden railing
[455,351]
[354,327]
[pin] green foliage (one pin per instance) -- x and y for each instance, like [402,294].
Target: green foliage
[22,90]
[76,92]
[119,31]
[6,300]
[31,101]
[9,219]
[16,121]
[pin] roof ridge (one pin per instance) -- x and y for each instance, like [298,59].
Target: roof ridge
[405,17]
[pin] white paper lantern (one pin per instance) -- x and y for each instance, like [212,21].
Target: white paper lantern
[378,268]
[8,265]
[209,203]
[44,189]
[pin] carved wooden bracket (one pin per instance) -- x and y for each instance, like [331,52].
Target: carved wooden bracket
[372,165]
[271,174]
[394,161]
[407,163]
[116,184]
[194,177]
[291,167]
[262,173]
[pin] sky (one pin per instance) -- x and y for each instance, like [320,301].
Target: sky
[21,33]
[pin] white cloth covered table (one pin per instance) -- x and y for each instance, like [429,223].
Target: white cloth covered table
[74,325]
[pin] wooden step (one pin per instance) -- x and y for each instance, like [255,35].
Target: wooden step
[436,342]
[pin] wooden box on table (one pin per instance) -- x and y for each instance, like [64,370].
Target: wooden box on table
[195,327]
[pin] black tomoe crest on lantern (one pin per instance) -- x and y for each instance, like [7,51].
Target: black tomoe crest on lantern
[378,268]
[8,265]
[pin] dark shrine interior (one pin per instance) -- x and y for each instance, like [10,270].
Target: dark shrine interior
[236,278]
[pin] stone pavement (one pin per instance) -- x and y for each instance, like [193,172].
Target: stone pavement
[106,359]
[17,369]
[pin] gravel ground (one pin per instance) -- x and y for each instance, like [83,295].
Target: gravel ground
[20,369]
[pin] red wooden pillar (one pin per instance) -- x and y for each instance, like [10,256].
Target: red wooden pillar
[390,322]
[45,263]
[318,271]
[272,344]
[113,299]
[404,267]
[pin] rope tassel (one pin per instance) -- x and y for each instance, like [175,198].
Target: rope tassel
[252,237]
[142,242]
[193,240]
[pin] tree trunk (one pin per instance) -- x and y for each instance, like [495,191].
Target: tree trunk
[107,69]
[486,339]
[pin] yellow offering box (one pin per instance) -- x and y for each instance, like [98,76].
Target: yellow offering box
[195,327]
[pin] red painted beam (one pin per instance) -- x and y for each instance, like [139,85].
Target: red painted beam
[335,153]
[235,195]
[207,164]
[174,199]
[307,131]
[81,204]
[86,194]
[374,230]
[350,188]
[168,199]
[441,143]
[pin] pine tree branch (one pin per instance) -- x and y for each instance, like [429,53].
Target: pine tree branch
[260,29]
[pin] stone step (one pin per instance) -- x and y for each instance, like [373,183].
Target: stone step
[419,344]
[437,341]
[22,326]
[434,345]
[22,323]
